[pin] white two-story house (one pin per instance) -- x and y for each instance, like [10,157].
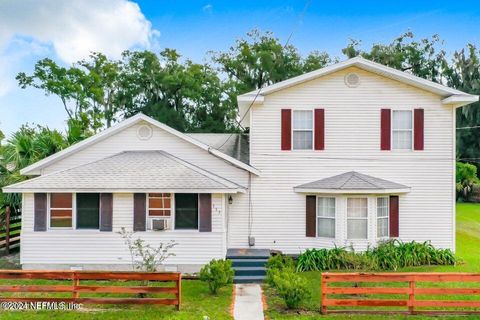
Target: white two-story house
[348,155]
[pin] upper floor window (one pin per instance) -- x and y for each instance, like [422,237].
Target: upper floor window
[302,129]
[402,129]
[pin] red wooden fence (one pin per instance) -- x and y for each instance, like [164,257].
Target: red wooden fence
[406,292]
[78,290]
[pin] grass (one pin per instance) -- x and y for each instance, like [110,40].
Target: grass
[468,250]
[197,303]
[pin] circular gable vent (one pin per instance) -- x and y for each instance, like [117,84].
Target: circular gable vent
[352,80]
[144,132]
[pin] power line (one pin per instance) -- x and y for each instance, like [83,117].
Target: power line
[300,20]
[472,127]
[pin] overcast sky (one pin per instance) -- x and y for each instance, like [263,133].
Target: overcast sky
[67,31]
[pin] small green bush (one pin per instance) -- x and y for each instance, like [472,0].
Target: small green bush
[291,287]
[217,273]
[466,178]
[276,264]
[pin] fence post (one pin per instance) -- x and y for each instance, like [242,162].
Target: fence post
[7,229]
[323,296]
[411,296]
[76,283]
[179,291]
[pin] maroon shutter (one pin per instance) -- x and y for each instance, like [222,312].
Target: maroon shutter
[418,129]
[394,216]
[385,129]
[319,129]
[40,212]
[311,219]
[286,129]
[139,211]
[205,208]
[106,211]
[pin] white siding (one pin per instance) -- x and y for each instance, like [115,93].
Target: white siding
[352,142]
[76,247]
[127,140]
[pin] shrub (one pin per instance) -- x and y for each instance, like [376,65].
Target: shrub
[466,178]
[276,264]
[393,254]
[291,287]
[389,255]
[217,273]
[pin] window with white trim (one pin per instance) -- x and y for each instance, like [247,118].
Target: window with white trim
[357,218]
[61,210]
[302,130]
[402,130]
[326,217]
[159,209]
[382,217]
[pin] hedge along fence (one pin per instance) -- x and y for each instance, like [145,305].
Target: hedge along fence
[404,295]
[76,288]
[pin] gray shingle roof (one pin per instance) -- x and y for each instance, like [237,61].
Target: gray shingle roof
[131,171]
[351,181]
[235,145]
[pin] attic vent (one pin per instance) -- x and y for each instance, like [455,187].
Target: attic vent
[352,80]
[144,132]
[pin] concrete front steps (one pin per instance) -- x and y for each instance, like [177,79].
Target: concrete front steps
[249,264]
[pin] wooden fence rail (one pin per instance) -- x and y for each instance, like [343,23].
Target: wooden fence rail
[405,294]
[77,289]
[9,234]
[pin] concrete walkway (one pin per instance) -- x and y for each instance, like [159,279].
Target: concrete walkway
[248,302]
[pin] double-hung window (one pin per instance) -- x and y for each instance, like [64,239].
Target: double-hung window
[382,217]
[402,129]
[326,217]
[61,210]
[88,210]
[302,130]
[159,209]
[357,218]
[186,211]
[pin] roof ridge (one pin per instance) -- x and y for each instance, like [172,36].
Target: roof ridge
[183,162]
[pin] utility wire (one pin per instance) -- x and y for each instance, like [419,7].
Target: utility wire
[300,20]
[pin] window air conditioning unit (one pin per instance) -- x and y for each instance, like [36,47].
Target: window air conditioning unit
[159,224]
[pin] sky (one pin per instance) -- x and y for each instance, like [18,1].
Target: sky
[67,31]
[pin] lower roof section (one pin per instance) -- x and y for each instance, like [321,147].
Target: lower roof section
[131,171]
[353,183]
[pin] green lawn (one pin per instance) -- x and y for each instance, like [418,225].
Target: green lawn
[197,303]
[468,250]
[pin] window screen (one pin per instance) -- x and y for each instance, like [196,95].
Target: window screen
[382,217]
[186,211]
[88,205]
[60,210]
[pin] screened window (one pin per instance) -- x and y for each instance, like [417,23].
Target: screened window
[357,218]
[159,204]
[326,217]
[302,130]
[382,217]
[88,210]
[61,210]
[402,131]
[186,211]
